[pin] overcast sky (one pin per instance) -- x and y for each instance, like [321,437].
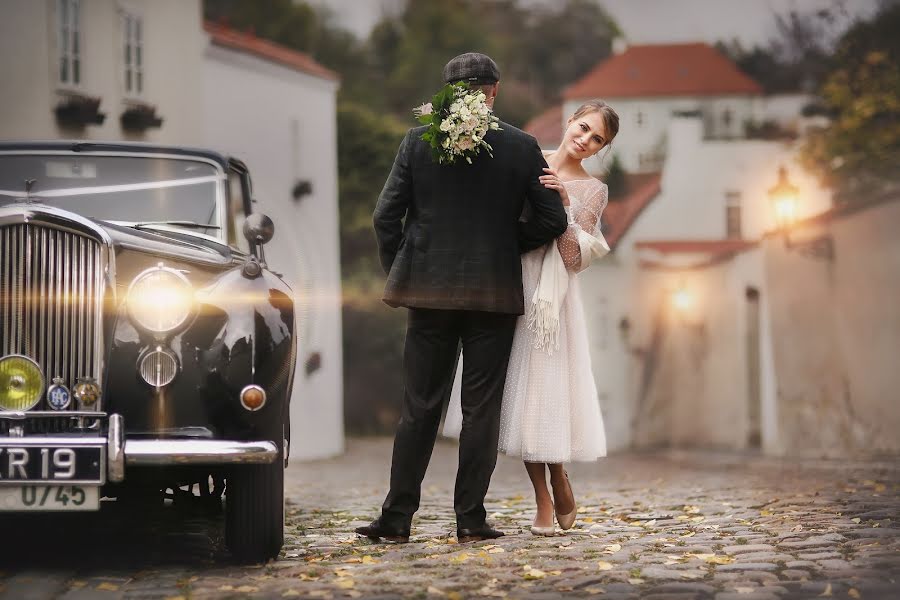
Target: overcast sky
[649,21]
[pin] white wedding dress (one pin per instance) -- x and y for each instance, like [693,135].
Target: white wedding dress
[551,412]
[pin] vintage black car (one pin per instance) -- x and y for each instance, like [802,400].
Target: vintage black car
[145,347]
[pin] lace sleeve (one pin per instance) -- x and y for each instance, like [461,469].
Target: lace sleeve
[584,216]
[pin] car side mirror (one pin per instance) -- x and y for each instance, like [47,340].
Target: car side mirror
[259,229]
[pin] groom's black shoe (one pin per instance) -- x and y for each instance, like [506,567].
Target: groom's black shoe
[477,534]
[377,531]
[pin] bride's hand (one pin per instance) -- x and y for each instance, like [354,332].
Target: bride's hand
[552,181]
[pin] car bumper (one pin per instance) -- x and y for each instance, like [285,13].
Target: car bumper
[163,452]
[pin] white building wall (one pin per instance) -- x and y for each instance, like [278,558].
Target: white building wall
[697,401]
[699,174]
[644,124]
[29,55]
[282,123]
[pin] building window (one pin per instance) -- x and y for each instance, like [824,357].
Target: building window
[133,45]
[733,215]
[69,41]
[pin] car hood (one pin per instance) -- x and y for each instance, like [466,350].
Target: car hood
[176,244]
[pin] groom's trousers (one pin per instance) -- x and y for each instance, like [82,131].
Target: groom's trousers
[429,358]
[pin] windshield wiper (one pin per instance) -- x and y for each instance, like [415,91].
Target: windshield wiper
[185,224]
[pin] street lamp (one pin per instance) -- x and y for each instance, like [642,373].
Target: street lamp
[785,199]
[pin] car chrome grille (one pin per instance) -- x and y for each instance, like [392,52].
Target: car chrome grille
[51,297]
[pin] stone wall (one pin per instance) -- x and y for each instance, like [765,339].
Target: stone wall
[836,333]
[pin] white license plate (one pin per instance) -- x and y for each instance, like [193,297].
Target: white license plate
[49,498]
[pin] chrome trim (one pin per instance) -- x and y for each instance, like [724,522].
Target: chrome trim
[77,261]
[158,367]
[20,415]
[198,452]
[53,441]
[116,448]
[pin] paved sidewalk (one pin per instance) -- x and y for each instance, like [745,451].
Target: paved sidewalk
[662,525]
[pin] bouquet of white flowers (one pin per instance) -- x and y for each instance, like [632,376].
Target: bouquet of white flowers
[458,119]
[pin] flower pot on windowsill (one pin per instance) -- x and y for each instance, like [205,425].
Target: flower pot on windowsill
[140,117]
[76,110]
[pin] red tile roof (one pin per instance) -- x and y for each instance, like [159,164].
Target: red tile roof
[621,212]
[227,37]
[664,70]
[547,127]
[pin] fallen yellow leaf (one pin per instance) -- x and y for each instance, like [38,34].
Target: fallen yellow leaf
[246,589]
[345,584]
[108,587]
[635,581]
[604,566]
[368,560]
[460,558]
[534,574]
[720,560]
[612,548]
[853,593]
[827,591]
[496,551]
[855,520]
[454,596]
[593,591]
[435,591]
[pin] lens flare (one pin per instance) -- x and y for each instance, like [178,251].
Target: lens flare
[160,300]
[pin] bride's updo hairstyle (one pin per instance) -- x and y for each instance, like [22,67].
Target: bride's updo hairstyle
[609,116]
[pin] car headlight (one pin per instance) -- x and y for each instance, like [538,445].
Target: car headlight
[21,383]
[160,299]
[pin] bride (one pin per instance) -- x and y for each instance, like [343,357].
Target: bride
[551,415]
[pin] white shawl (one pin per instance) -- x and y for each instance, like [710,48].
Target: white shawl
[543,312]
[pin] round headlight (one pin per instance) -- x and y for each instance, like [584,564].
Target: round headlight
[21,383]
[160,299]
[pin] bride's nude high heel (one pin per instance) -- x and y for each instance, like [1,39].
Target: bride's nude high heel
[545,531]
[567,521]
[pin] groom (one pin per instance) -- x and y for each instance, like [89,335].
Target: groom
[449,238]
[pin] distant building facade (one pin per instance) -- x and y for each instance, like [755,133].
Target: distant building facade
[698,333]
[152,71]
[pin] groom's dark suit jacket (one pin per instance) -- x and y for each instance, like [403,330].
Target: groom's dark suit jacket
[460,243]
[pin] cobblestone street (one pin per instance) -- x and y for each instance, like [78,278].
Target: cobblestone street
[655,525]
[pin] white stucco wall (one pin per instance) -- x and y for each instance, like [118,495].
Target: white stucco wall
[282,123]
[699,173]
[695,392]
[640,145]
[838,330]
[173,49]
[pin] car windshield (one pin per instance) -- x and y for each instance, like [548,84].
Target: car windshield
[152,191]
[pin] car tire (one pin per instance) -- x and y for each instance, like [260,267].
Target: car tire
[254,511]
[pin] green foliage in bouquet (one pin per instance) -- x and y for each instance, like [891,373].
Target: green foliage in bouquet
[458,118]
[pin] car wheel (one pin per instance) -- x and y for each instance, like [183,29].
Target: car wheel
[254,511]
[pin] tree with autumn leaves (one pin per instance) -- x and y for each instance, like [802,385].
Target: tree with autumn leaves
[858,152]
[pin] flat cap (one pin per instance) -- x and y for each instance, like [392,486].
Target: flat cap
[471,67]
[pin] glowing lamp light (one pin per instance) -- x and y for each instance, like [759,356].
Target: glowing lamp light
[682,299]
[784,197]
[160,300]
